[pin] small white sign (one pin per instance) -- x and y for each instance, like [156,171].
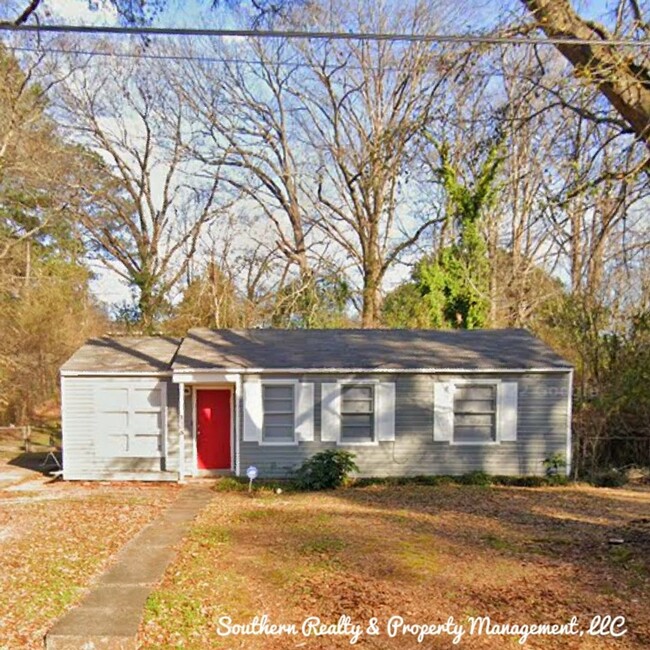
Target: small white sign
[251,472]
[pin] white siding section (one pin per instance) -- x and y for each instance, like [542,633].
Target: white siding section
[385,412]
[330,413]
[253,411]
[443,411]
[305,412]
[507,411]
[83,458]
[130,418]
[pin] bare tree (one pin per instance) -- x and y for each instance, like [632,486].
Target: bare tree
[366,105]
[247,121]
[152,209]
[622,76]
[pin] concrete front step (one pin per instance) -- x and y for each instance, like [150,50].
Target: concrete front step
[108,618]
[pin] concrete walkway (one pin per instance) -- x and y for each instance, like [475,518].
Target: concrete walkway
[109,617]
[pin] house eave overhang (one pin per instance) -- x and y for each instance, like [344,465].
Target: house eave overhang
[116,373]
[179,373]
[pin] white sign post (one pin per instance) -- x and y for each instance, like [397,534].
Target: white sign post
[251,472]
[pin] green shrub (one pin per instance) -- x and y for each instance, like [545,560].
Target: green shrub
[558,479]
[240,484]
[611,478]
[475,478]
[435,480]
[553,464]
[230,484]
[472,478]
[326,470]
[521,481]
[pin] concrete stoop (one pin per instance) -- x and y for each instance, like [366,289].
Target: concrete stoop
[108,618]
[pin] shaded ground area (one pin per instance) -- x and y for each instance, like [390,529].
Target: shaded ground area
[55,538]
[425,553]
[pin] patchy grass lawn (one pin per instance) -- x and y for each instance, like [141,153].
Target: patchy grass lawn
[54,539]
[424,553]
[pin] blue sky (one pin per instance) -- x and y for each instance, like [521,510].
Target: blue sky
[475,14]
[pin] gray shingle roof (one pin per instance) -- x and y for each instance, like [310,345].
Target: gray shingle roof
[124,353]
[275,349]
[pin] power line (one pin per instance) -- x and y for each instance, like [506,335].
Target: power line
[202,59]
[319,35]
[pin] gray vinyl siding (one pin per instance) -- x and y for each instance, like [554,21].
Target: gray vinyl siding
[543,403]
[541,430]
[81,459]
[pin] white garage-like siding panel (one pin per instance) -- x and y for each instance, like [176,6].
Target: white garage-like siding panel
[116,427]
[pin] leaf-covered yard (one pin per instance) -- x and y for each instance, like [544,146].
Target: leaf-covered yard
[54,539]
[424,553]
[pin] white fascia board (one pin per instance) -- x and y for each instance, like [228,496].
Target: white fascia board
[116,373]
[206,376]
[181,375]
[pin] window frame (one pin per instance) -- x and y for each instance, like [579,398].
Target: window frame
[289,383]
[363,383]
[495,383]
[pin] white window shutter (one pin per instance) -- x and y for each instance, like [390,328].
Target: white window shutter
[385,412]
[507,411]
[253,411]
[305,412]
[330,426]
[443,411]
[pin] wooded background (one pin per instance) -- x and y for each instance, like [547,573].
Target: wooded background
[234,182]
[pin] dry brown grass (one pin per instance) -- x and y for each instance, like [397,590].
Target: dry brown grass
[425,553]
[54,540]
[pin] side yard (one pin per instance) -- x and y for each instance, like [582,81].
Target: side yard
[54,539]
[425,553]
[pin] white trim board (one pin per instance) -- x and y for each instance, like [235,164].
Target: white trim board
[116,373]
[198,375]
[180,374]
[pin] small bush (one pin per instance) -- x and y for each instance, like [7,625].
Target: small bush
[472,478]
[326,470]
[554,464]
[611,478]
[475,478]
[435,480]
[558,480]
[240,484]
[230,484]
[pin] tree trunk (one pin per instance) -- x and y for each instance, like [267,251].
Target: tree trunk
[624,83]
[371,298]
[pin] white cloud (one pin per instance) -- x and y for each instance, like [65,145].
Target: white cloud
[86,12]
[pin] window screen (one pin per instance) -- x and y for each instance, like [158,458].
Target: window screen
[279,413]
[475,413]
[357,413]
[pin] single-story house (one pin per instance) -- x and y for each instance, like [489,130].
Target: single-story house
[406,402]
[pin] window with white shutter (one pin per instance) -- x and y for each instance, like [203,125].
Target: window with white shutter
[475,412]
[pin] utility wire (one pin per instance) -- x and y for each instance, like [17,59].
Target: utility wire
[147,55]
[320,35]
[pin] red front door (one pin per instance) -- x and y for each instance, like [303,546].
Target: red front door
[213,429]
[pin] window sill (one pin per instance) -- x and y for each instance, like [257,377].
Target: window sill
[268,443]
[372,443]
[496,443]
